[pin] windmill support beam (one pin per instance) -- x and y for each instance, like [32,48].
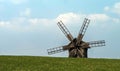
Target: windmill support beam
[82,53]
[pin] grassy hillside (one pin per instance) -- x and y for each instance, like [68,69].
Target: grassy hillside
[29,63]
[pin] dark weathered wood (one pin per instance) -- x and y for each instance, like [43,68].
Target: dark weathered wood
[78,53]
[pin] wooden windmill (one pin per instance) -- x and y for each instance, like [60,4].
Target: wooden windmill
[77,47]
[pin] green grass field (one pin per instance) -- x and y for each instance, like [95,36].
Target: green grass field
[34,63]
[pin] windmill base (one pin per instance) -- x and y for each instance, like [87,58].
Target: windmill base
[81,53]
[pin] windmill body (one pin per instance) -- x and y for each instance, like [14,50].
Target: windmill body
[77,48]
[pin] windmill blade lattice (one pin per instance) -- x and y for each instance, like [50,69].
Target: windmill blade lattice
[83,29]
[57,49]
[97,43]
[65,30]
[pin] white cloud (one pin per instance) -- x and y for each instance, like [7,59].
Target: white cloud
[35,21]
[99,17]
[26,12]
[70,17]
[106,8]
[28,24]
[4,23]
[116,20]
[115,8]
[78,18]
[15,24]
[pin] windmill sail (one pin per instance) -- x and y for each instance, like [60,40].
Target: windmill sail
[83,30]
[97,43]
[65,30]
[57,50]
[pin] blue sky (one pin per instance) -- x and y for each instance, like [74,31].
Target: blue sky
[28,27]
